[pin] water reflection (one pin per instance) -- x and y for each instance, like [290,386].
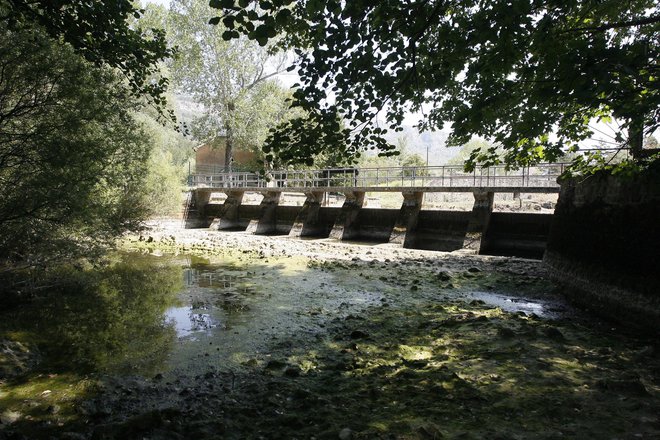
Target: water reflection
[186,322]
[212,290]
[108,320]
[148,315]
[515,304]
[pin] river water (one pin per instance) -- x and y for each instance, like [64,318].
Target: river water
[294,346]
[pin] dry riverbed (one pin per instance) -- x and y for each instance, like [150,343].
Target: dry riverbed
[285,338]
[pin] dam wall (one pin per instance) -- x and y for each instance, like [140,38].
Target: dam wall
[604,245]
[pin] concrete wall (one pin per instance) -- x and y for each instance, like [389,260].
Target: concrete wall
[326,220]
[441,230]
[246,213]
[517,234]
[375,224]
[604,246]
[284,216]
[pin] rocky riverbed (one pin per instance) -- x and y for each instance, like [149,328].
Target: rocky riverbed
[270,337]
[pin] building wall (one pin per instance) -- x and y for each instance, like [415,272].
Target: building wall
[206,156]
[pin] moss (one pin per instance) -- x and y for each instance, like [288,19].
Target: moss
[318,350]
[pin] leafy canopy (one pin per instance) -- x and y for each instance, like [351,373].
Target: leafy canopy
[72,156]
[104,33]
[529,75]
[233,80]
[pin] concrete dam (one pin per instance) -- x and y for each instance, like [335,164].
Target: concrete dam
[477,231]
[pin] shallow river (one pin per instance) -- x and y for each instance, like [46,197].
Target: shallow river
[287,346]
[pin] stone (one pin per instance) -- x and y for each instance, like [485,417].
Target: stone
[443,276]
[554,334]
[9,417]
[358,334]
[292,371]
[505,332]
[632,387]
[274,364]
[345,434]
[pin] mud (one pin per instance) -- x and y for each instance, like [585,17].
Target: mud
[266,337]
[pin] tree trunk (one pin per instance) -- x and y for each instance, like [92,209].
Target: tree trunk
[229,142]
[229,150]
[636,140]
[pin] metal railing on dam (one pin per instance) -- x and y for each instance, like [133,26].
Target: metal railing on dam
[539,178]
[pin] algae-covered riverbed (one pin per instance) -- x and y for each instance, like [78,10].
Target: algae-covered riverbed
[209,335]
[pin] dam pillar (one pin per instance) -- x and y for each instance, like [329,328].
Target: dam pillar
[267,221]
[406,221]
[228,217]
[479,219]
[345,226]
[307,220]
[194,211]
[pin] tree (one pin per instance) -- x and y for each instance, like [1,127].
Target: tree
[72,156]
[102,33]
[529,75]
[168,166]
[474,148]
[401,157]
[232,79]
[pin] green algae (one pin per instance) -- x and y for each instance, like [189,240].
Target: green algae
[324,346]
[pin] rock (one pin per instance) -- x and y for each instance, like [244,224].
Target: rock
[554,334]
[292,371]
[9,417]
[274,364]
[506,333]
[345,434]
[443,276]
[474,270]
[358,334]
[632,387]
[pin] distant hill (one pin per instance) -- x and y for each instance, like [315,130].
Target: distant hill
[434,141]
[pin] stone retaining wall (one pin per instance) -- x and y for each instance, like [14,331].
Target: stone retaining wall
[604,246]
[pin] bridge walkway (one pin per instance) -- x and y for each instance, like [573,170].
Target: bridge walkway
[538,179]
[354,183]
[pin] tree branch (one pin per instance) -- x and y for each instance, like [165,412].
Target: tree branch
[621,24]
